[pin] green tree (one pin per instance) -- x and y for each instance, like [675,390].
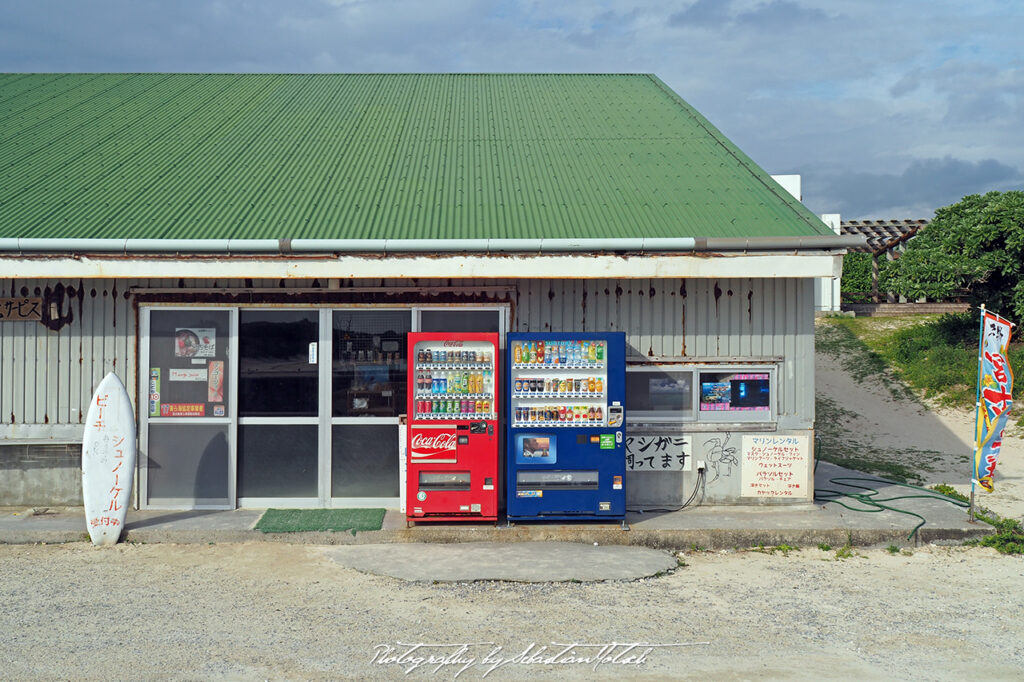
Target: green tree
[975,245]
[856,282]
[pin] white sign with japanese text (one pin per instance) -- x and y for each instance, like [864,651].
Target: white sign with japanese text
[775,466]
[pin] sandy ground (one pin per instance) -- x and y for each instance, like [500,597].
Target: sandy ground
[937,443]
[271,611]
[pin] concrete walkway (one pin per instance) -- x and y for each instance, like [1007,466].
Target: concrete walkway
[709,527]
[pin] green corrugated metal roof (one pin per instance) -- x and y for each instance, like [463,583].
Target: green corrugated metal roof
[400,156]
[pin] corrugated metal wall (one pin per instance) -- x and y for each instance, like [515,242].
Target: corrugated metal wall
[48,371]
[47,375]
[694,318]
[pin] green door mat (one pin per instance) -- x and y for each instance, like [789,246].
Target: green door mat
[299,520]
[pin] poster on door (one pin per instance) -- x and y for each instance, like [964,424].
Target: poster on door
[215,383]
[197,342]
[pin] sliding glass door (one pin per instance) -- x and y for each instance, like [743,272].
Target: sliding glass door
[278,408]
[186,440]
[273,407]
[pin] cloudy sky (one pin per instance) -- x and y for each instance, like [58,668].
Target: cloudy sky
[887,109]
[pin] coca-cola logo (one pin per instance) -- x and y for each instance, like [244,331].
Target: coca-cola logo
[425,446]
[453,344]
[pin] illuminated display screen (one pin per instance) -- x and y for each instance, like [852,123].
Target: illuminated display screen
[734,392]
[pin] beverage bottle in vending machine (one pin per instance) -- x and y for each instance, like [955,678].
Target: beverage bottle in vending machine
[540,352]
[599,415]
[563,354]
[599,385]
[517,353]
[600,351]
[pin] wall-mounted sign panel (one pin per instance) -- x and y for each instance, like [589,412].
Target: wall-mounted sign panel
[21,309]
[775,466]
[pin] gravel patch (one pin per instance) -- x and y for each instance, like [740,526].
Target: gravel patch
[276,611]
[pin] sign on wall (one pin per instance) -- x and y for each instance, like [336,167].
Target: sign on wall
[774,466]
[21,309]
[659,453]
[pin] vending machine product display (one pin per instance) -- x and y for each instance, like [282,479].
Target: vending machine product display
[453,436]
[566,438]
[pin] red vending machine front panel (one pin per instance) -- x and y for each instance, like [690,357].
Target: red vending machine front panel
[452,453]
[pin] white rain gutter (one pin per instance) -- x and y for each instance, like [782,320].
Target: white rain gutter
[395,246]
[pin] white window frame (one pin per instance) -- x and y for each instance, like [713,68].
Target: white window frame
[710,417]
[145,420]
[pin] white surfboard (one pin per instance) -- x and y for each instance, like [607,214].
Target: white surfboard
[108,460]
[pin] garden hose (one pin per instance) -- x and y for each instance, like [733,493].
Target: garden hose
[874,503]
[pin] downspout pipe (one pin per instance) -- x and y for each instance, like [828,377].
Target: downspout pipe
[450,246]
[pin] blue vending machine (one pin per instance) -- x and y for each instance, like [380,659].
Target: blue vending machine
[566,455]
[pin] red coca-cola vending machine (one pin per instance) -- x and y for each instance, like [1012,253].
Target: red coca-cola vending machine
[452,452]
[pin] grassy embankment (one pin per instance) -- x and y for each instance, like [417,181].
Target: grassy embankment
[932,358]
[929,359]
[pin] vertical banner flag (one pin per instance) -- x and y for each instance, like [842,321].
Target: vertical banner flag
[995,387]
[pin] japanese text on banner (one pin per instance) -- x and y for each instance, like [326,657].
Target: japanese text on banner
[995,388]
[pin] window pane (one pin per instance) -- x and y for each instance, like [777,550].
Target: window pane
[187,463]
[276,378]
[276,460]
[369,368]
[188,359]
[364,460]
[735,392]
[456,320]
[662,394]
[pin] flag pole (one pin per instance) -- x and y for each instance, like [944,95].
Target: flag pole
[977,408]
